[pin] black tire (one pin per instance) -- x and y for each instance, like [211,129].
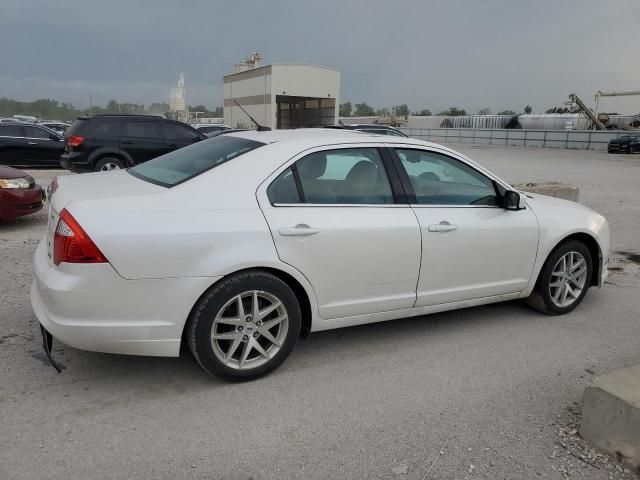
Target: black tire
[540,298]
[200,323]
[104,162]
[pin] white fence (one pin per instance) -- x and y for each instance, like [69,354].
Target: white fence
[575,139]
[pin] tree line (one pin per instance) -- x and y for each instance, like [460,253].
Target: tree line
[364,110]
[46,108]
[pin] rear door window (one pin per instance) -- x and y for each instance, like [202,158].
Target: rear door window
[105,128]
[141,129]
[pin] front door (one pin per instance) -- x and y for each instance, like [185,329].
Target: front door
[333,217]
[43,147]
[471,246]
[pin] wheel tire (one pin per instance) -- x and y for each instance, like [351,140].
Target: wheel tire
[541,298]
[215,302]
[107,164]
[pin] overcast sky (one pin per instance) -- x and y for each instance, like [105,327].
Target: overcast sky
[428,54]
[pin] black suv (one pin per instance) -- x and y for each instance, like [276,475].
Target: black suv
[110,142]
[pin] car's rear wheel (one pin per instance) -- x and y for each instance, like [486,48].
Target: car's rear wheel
[245,326]
[107,164]
[564,279]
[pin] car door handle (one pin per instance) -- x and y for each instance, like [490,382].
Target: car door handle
[127,142]
[300,230]
[172,145]
[442,227]
[33,143]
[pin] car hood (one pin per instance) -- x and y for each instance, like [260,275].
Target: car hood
[8,172]
[98,186]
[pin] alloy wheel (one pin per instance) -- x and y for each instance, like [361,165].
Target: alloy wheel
[568,279]
[107,167]
[249,330]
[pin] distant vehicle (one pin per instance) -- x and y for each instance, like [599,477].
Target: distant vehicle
[20,195]
[25,118]
[238,244]
[58,127]
[209,127]
[624,144]
[225,131]
[27,145]
[112,142]
[371,128]
[9,120]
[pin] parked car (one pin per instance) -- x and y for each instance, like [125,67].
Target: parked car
[624,144]
[113,142]
[26,145]
[210,127]
[19,194]
[59,127]
[244,242]
[224,132]
[371,128]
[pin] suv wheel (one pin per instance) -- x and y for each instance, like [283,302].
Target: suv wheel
[107,164]
[245,326]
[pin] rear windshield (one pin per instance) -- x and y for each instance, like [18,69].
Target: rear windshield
[76,126]
[188,162]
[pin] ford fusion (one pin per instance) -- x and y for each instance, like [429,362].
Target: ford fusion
[240,244]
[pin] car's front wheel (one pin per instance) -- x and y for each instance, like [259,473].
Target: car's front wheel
[564,279]
[245,326]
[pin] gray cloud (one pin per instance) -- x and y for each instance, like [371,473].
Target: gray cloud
[428,54]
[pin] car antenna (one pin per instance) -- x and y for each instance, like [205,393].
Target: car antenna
[261,128]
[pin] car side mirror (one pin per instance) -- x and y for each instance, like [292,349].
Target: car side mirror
[514,200]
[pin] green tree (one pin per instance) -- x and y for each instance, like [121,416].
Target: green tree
[423,113]
[528,109]
[507,112]
[454,112]
[345,109]
[364,110]
[484,111]
[382,112]
[401,110]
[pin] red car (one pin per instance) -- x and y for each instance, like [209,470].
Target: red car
[19,193]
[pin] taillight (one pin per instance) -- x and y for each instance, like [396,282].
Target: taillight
[74,140]
[72,244]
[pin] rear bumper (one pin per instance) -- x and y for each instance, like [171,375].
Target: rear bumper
[17,202]
[90,307]
[75,162]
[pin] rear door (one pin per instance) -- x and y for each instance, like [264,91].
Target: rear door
[43,147]
[177,135]
[335,217]
[12,144]
[141,139]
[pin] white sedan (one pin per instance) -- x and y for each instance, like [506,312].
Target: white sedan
[240,244]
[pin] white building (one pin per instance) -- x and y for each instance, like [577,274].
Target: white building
[282,96]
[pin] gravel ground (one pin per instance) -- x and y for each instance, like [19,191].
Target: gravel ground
[488,392]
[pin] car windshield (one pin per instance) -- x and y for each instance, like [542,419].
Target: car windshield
[183,164]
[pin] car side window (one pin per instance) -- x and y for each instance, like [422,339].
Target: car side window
[106,129]
[283,189]
[10,131]
[438,179]
[34,132]
[141,129]
[344,176]
[173,131]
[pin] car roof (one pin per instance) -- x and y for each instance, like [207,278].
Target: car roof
[310,137]
[120,115]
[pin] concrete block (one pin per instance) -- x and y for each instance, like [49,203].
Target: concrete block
[611,415]
[553,189]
